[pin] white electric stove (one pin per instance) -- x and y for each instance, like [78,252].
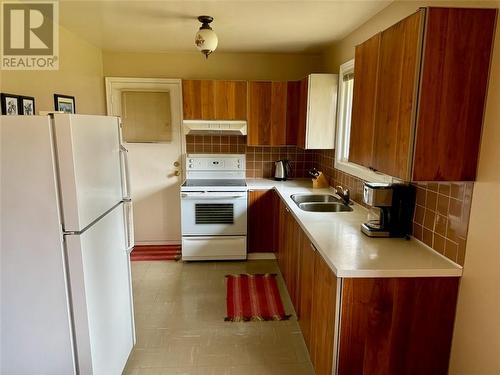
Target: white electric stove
[214,207]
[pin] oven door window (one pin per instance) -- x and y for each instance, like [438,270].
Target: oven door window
[214,213]
[220,216]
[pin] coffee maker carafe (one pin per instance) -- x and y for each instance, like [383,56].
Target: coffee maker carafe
[390,209]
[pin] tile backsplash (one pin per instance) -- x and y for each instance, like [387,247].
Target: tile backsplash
[260,160]
[441,218]
[442,209]
[208,144]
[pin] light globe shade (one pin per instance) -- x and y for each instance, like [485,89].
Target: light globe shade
[206,40]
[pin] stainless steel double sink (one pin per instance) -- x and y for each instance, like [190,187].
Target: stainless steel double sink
[320,203]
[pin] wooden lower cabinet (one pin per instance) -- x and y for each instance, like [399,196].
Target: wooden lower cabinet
[365,326]
[312,287]
[290,240]
[262,221]
[282,232]
[323,310]
[306,286]
[397,325]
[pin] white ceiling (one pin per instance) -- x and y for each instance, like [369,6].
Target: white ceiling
[242,26]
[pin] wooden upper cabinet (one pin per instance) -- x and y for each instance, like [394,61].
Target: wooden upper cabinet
[363,102]
[302,112]
[278,113]
[457,51]
[198,99]
[267,113]
[293,112]
[230,100]
[431,85]
[396,97]
[214,100]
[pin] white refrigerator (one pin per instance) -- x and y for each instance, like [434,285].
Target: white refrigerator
[65,235]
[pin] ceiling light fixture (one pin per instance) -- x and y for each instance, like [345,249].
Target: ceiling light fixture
[206,40]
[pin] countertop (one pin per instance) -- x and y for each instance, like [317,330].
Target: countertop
[350,253]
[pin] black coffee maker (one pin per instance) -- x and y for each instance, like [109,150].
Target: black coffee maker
[391,209]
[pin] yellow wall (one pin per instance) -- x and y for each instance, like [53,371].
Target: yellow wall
[79,75]
[218,66]
[476,340]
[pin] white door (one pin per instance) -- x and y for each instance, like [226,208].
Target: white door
[88,151]
[155,168]
[101,295]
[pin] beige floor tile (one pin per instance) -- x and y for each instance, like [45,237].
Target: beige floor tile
[180,327]
[212,370]
[190,370]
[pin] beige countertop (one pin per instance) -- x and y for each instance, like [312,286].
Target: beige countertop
[350,253]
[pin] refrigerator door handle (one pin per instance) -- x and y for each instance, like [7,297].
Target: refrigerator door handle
[125,174]
[128,221]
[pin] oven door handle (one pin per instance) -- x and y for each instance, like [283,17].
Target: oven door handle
[213,195]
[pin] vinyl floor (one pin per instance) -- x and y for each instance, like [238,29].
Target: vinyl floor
[179,316]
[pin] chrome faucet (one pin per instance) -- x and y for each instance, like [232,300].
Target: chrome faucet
[343,193]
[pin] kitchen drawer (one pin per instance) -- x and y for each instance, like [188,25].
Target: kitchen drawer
[214,247]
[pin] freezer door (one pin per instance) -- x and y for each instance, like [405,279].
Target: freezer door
[101,295]
[88,153]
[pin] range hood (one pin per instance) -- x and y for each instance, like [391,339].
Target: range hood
[215,127]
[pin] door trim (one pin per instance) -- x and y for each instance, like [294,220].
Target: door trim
[146,84]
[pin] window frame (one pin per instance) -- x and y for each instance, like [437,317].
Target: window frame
[342,163]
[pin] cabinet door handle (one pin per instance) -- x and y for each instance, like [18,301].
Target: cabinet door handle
[312,246]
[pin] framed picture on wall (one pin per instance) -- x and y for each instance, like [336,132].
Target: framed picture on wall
[26,105]
[10,104]
[64,103]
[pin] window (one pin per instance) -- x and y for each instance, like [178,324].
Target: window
[346,90]
[346,86]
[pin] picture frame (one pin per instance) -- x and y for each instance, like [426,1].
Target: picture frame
[27,105]
[64,103]
[9,104]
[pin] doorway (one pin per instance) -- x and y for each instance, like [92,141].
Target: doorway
[155,146]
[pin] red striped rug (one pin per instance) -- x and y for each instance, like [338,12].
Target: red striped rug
[156,252]
[253,298]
